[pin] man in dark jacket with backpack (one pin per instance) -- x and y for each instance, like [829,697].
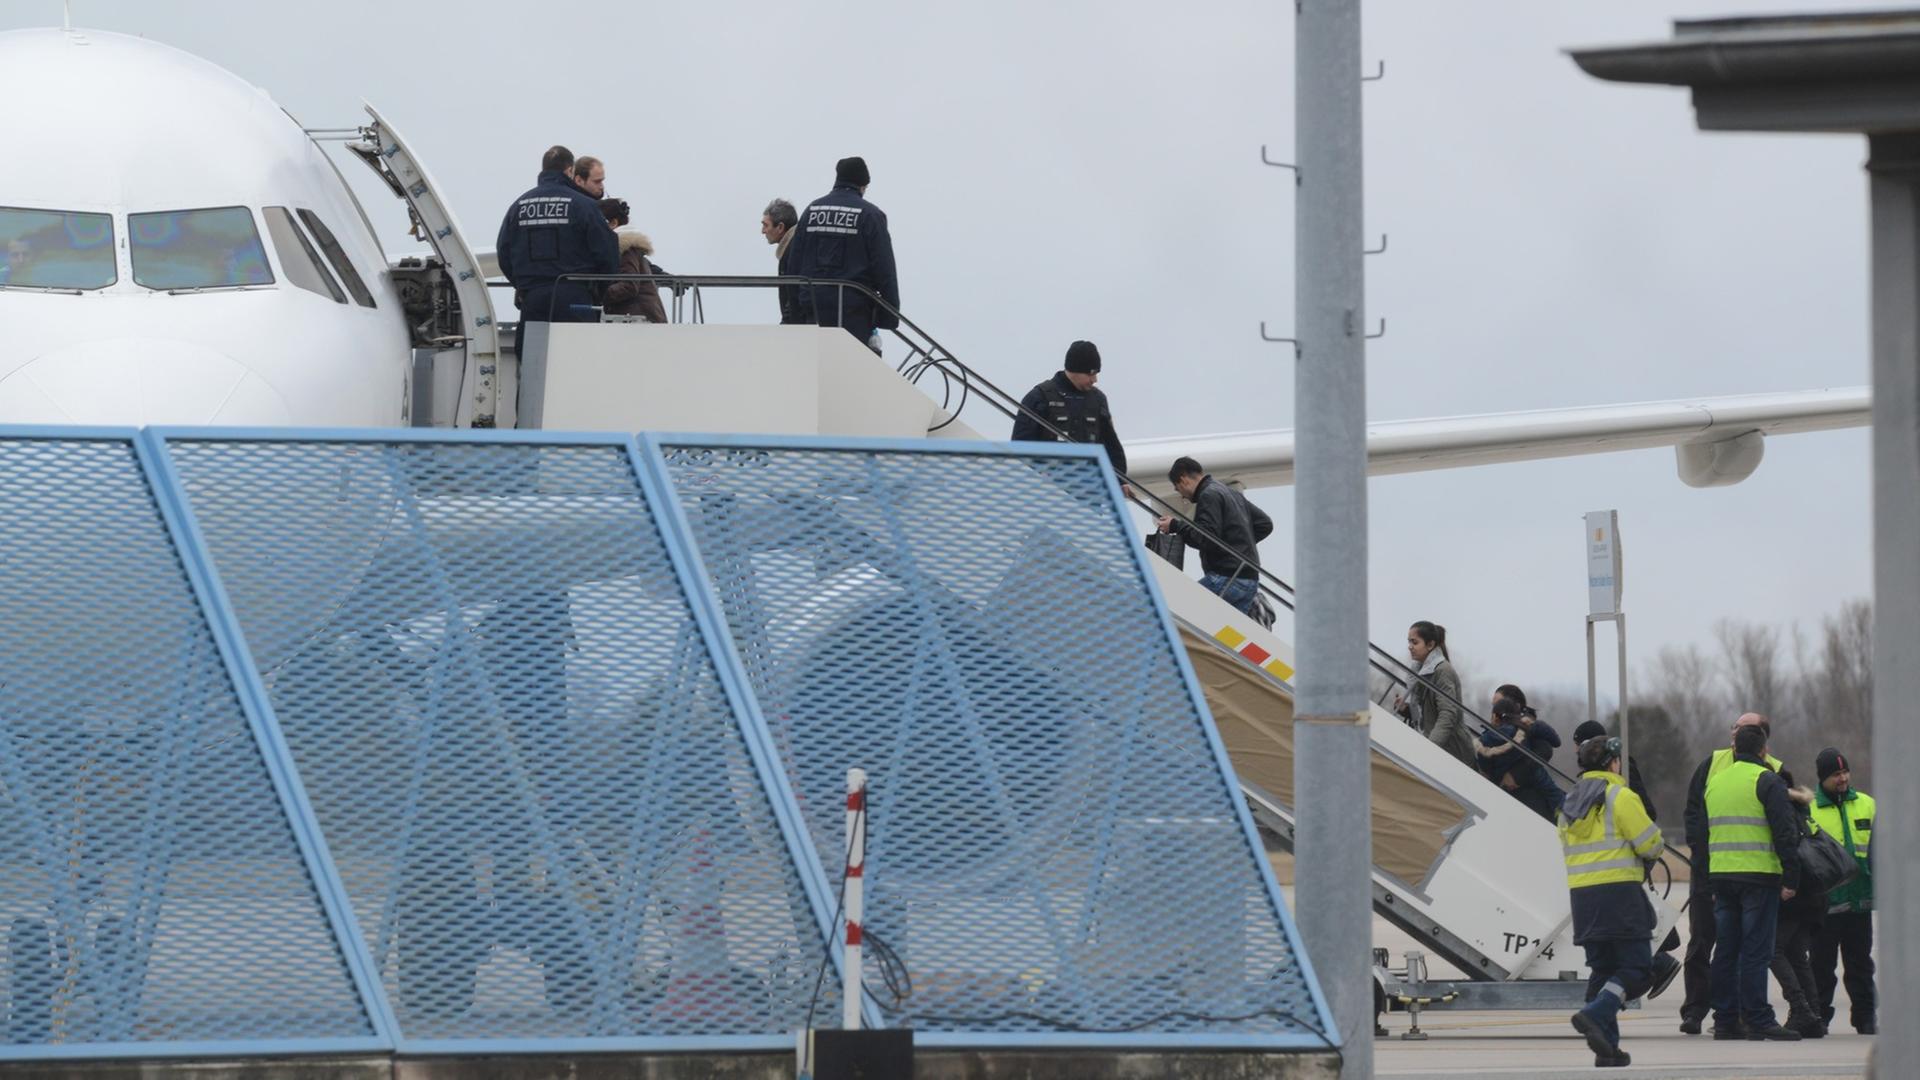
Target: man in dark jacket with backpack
[1226,529]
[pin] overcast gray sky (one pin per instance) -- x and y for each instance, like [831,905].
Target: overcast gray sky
[1090,169]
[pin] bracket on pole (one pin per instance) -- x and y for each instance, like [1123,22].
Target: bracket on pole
[1265,160]
[1381,250]
[1380,333]
[1379,72]
[1264,336]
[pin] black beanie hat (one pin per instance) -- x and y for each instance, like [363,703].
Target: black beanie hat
[1083,357]
[1829,762]
[851,170]
[1587,730]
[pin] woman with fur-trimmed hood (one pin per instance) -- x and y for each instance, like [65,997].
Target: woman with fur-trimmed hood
[632,297]
[1800,920]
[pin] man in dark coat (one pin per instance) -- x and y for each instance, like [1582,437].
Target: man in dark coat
[777,225]
[844,236]
[553,230]
[1226,528]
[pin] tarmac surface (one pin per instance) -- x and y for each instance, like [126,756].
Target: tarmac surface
[1544,1045]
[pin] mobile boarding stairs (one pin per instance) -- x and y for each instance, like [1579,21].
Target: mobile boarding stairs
[1471,874]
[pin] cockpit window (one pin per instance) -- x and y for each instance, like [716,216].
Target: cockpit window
[338,257]
[55,249]
[297,258]
[198,249]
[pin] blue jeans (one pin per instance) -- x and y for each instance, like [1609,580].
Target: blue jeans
[1744,916]
[1239,592]
[1622,970]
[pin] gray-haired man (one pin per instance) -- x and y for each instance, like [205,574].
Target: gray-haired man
[776,224]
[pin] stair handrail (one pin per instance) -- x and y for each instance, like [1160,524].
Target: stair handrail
[929,354]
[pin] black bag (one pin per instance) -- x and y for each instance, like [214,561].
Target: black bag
[1170,547]
[1824,862]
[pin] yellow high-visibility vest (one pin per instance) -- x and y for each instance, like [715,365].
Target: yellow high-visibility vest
[1723,757]
[1609,842]
[1858,812]
[1739,841]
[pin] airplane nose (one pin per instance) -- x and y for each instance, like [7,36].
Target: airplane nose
[135,381]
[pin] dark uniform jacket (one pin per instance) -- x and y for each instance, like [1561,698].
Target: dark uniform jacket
[1223,512]
[1083,416]
[554,229]
[844,236]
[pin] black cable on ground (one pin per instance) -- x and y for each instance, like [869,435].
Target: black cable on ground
[893,972]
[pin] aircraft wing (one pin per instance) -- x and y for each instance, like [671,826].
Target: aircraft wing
[1717,440]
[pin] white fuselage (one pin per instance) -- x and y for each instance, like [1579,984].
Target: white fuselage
[227,315]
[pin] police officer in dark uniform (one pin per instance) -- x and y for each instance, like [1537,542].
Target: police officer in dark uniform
[844,236]
[552,230]
[1070,402]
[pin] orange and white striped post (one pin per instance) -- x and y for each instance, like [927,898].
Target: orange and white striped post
[855,898]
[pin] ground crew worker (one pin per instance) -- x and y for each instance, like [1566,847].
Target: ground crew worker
[1847,816]
[552,230]
[1609,840]
[1754,864]
[844,236]
[1700,918]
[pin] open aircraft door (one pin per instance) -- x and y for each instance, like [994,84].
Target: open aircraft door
[461,378]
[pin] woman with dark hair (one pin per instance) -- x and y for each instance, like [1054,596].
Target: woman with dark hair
[1798,924]
[1502,761]
[640,298]
[1432,704]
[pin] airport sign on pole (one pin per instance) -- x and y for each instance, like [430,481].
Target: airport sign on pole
[1603,605]
[1603,562]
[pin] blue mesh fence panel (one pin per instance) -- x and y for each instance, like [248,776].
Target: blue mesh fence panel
[153,895]
[514,737]
[1054,845]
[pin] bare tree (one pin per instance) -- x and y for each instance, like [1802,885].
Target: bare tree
[1688,710]
[1837,689]
[1817,688]
[1753,674]
[1688,684]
